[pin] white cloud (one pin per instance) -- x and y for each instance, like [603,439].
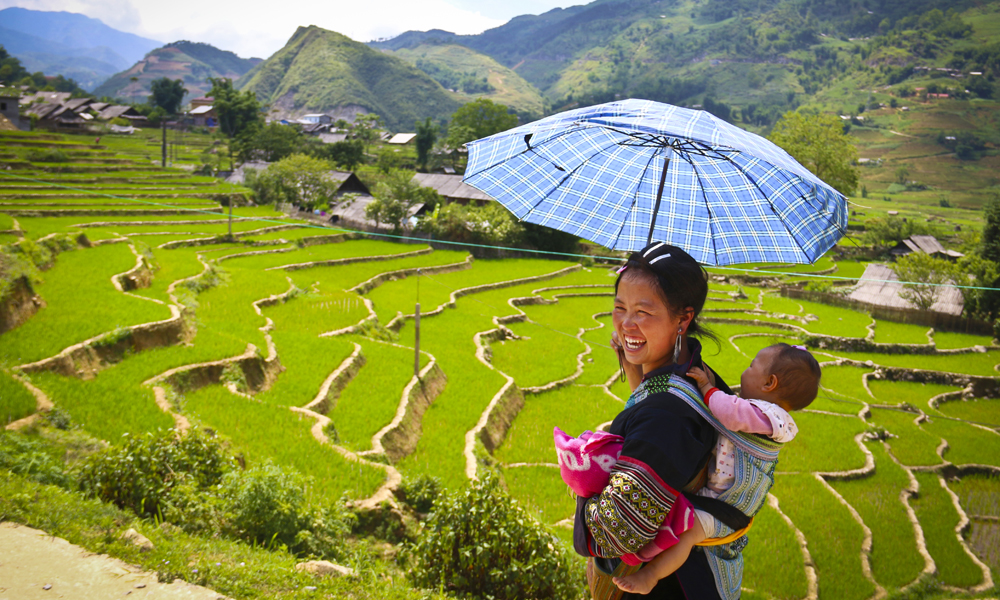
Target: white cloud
[261,27]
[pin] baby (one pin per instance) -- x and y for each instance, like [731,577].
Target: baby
[780,379]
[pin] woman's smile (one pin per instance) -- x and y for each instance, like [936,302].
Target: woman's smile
[633,344]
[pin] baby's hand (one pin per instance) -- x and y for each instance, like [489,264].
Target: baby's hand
[705,379]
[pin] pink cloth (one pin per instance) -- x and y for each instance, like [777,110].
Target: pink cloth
[585,462]
[737,414]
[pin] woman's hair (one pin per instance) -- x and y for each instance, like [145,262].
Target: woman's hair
[798,375]
[678,279]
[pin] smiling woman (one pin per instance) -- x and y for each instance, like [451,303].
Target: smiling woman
[667,442]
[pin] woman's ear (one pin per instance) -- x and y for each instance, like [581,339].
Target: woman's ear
[770,384]
[685,319]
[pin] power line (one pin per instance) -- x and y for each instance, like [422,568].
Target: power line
[306,225]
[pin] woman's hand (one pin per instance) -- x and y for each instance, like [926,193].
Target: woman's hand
[632,372]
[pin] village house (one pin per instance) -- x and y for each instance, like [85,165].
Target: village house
[204,116]
[10,106]
[879,286]
[402,139]
[927,244]
[316,119]
[451,188]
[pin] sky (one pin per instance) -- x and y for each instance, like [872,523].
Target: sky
[261,27]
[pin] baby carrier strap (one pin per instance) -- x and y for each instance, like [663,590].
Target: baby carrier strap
[761,447]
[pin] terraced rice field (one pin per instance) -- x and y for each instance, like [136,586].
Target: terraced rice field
[304,355]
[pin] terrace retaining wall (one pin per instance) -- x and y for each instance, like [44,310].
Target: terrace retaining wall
[86,358]
[19,304]
[258,372]
[501,416]
[940,321]
[401,439]
[977,386]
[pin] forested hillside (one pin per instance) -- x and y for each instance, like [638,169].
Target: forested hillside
[324,71]
[191,61]
[771,54]
[469,75]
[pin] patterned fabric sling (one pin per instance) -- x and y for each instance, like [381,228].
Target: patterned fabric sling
[756,458]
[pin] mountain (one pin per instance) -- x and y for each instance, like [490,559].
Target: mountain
[191,61]
[69,44]
[323,71]
[470,75]
[765,53]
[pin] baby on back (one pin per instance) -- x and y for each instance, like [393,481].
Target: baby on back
[780,379]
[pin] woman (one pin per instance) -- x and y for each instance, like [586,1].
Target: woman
[658,295]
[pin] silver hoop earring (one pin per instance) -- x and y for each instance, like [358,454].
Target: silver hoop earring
[677,346]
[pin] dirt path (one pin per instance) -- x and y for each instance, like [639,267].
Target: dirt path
[30,560]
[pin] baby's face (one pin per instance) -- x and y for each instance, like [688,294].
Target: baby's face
[754,378]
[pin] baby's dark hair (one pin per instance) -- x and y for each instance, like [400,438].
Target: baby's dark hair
[679,279]
[798,375]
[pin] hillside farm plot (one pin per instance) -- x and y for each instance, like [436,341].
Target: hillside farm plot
[15,400]
[81,303]
[327,293]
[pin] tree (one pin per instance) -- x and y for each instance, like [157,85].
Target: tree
[478,119]
[167,94]
[239,112]
[426,136]
[395,195]
[820,144]
[989,241]
[926,275]
[366,128]
[491,224]
[885,232]
[299,180]
[346,154]
[270,143]
[902,174]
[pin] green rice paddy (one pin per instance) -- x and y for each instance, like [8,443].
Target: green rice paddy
[113,402]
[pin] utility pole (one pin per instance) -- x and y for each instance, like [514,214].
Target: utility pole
[163,124]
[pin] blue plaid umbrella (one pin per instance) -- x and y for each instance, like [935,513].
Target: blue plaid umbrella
[624,173]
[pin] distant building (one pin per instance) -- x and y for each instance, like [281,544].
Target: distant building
[880,286]
[349,182]
[118,111]
[10,105]
[451,187]
[204,115]
[352,213]
[318,118]
[401,139]
[927,244]
[204,101]
[332,138]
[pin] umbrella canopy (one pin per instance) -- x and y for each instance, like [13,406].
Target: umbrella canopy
[624,173]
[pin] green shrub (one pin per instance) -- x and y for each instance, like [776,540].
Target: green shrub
[268,504]
[142,473]
[47,155]
[32,459]
[420,492]
[479,543]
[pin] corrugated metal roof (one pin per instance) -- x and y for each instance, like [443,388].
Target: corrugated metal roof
[880,286]
[200,110]
[402,138]
[332,138]
[450,186]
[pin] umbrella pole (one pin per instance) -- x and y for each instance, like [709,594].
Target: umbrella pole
[659,195]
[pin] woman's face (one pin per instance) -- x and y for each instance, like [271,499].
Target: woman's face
[646,327]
